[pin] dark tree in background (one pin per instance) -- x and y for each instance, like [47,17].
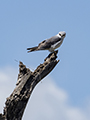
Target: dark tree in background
[15,104]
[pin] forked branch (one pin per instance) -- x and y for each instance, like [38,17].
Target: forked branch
[27,80]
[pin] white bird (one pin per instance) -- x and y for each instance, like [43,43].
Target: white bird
[50,44]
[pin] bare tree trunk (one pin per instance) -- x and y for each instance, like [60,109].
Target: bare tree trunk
[27,80]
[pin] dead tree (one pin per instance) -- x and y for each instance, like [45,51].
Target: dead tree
[15,104]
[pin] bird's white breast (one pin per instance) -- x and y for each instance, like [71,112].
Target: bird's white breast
[56,45]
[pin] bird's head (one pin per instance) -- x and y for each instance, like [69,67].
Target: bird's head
[62,34]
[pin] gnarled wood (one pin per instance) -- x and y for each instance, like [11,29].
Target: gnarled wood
[27,80]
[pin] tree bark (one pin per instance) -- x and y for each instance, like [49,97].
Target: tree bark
[15,104]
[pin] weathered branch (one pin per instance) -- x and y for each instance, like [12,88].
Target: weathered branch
[27,80]
[2,117]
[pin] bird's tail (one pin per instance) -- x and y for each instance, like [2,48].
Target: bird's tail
[32,49]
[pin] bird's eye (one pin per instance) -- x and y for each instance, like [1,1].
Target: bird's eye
[60,34]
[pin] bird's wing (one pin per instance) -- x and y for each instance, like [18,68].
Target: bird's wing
[53,40]
[46,44]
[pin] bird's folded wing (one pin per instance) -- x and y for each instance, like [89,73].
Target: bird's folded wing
[46,44]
